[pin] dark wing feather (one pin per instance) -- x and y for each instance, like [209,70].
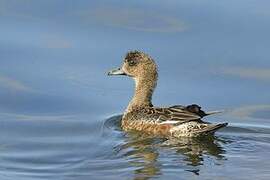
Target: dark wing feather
[171,115]
[193,108]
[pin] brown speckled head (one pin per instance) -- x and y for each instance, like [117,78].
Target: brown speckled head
[138,64]
[142,68]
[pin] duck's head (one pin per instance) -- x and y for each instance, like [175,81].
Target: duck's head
[143,70]
[137,65]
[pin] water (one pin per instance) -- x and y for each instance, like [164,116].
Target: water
[60,113]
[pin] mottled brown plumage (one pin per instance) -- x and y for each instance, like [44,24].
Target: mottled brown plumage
[140,114]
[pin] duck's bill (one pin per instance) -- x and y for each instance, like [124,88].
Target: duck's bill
[117,71]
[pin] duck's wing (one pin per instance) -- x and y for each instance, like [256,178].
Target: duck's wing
[176,114]
[195,109]
[171,115]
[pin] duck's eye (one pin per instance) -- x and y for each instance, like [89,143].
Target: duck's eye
[131,63]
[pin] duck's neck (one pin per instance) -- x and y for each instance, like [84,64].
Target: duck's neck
[144,88]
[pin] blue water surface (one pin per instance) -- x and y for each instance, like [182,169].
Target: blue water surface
[60,113]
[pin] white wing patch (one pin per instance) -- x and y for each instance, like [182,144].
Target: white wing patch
[169,122]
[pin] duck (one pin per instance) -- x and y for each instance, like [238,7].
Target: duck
[142,116]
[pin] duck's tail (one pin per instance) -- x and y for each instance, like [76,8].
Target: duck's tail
[212,128]
[213,112]
[196,109]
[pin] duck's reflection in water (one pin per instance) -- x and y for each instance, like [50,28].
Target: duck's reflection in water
[150,155]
